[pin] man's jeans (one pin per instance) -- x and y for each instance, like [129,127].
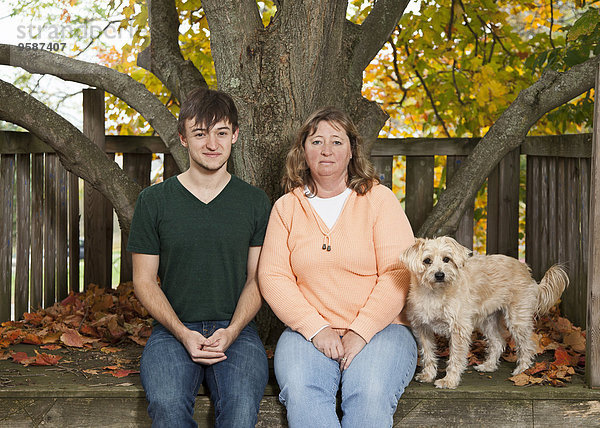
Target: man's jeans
[371,386]
[172,380]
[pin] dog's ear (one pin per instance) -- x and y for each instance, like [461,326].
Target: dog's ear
[412,255]
[461,253]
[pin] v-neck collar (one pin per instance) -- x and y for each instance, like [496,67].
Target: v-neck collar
[213,200]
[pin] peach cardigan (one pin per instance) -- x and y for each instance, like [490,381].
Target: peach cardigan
[358,284]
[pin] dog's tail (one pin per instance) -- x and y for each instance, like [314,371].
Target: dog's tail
[550,288]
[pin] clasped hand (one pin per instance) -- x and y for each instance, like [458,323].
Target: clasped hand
[208,350]
[343,349]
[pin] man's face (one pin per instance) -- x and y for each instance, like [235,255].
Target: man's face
[209,149]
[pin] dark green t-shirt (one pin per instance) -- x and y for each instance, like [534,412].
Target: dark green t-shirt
[203,248]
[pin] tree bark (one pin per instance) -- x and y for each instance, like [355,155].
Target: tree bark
[508,132]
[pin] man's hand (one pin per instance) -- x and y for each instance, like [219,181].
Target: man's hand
[353,344]
[329,343]
[220,340]
[195,344]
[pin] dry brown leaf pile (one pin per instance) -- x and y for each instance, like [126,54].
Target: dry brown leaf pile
[95,319]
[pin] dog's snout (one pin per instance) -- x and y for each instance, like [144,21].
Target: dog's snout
[439,276]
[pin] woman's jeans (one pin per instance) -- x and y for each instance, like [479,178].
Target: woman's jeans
[371,386]
[172,380]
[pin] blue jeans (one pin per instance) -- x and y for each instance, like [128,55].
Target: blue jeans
[172,380]
[371,386]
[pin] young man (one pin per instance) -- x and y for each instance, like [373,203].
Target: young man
[201,233]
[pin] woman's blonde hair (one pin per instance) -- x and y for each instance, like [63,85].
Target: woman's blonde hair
[361,174]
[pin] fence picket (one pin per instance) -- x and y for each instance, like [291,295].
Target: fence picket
[37,231]
[419,189]
[74,282]
[7,179]
[503,207]
[50,230]
[136,166]
[464,232]
[62,289]
[23,234]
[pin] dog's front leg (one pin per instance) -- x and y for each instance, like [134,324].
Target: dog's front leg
[427,347]
[460,340]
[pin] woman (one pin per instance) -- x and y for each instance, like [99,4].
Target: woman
[329,269]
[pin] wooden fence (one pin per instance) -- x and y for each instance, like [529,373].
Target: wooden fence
[44,219]
[40,208]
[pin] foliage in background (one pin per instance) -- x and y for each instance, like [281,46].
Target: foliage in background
[452,68]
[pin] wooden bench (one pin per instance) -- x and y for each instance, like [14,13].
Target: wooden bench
[61,396]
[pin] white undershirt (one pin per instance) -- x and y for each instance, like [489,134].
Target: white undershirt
[329,209]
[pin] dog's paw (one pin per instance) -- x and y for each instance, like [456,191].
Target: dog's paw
[426,376]
[446,383]
[520,369]
[488,366]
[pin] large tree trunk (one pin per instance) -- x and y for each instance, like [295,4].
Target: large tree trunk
[278,77]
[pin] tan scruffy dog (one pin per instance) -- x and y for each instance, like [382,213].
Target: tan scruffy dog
[454,292]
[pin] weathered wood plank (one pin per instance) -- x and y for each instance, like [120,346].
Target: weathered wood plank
[419,189]
[569,298]
[566,413]
[134,144]
[62,286]
[532,226]
[170,168]
[97,222]
[568,145]
[543,220]
[14,142]
[593,273]
[37,231]
[423,146]
[384,169]
[469,412]
[74,284]
[23,235]
[503,207]
[137,166]
[551,210]
[50,229]
[562,220]
[464,232]
[580,313]
[7,188]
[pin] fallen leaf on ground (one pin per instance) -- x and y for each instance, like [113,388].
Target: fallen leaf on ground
[122,372]
[72,338]
[43,359]
[51,347]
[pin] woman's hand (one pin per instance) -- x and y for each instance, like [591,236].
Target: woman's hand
[353,344]
[329,343]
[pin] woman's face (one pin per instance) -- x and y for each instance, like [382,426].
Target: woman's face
[328,152]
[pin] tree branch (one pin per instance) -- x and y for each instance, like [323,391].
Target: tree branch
[76,152]
[133,93]
[550,91]
[375,31]
[163,57]
[398,79]
[430,96]
[458,94]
